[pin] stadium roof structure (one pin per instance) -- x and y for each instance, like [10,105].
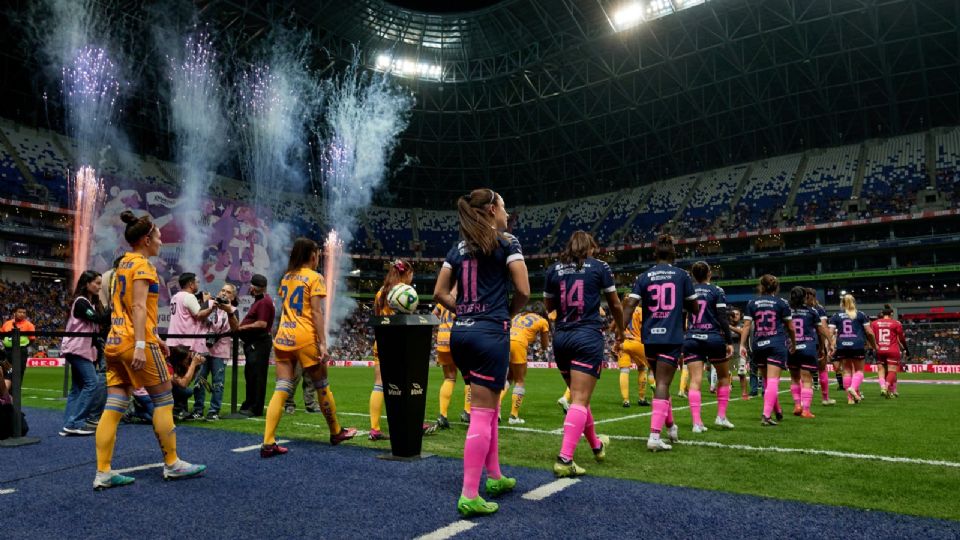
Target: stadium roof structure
[554,99]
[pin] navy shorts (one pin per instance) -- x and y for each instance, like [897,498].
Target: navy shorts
[770,355]
[850,354]
[668,353]
[712,349]
[481,351]
[804,359]
[579,350]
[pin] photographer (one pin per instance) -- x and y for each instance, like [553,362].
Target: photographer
[187,316]
[221,321]
[182,365]
[257,342]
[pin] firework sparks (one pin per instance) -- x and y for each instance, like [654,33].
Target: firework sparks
[86,196]
[332,253]
[91,89]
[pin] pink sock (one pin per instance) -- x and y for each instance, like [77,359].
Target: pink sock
[590,432]
[572,429]
[770,396]
[776,400]
[795,392]
[669,419]
[493,455]
[893,387]
[857,381]
[806,396]
[475,449]
[883,383]
[723,398]
[825,385]
[695,402]
[659,415]
[848,382]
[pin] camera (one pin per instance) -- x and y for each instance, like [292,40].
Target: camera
[221,300]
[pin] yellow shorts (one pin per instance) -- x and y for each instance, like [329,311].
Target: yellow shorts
[445,358]
[306,356]
[154,371]
[632,353]
[518,353]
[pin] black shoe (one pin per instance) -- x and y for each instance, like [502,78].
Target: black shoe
[465,417]
[313,410]
[442,422]
[245,412]
[181,415]
[212,417]
[643,403]
[779,415]
[767,422]
[195,416]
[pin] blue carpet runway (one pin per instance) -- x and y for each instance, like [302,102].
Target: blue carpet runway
[345,492]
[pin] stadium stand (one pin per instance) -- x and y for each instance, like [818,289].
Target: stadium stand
[895,170]
[583,214]
[765,193]
[438,231]
[711,201]
[826,184]
[664,201]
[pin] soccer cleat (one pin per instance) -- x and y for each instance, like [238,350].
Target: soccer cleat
[896,394]
[723,422]
[270,450]
[699,428]
[516,420]
[502,485]
[77,432]
[681,394]
[859,396]
[429,429]
[181,470]
[564,404]
[567,469]
[465,417]
[766,421]
[807,414]
[345,435]
[109,480]
[626,404]
[600,454]
[851,401]
[852,397]
[377,435]
[643,403]
[674,433]
[475,507]
[442,422]
[778,415]
[657,445]
[883,393]
[797,409]
[313,410]
[828,402]
[290,409]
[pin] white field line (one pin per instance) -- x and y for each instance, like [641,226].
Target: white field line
[139,468]
[7,491]
[546,490]
[449,531]
[255,446]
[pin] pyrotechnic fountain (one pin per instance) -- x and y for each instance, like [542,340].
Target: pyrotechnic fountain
[86,196]
[332,253]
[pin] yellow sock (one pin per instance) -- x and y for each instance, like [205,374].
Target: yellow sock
[166,433]
[625,384]
[328,406]
[684,379]
[376,406]
[642,383]
[107,430]
[466,398]
[503,393]
[651,379]
[516,401]
[446,394]
[566,395]
[274,411]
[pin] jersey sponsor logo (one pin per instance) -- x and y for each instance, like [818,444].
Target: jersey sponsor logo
[285,342]
[801,347]
[393,390]
[464,322]
[847,343]
[117,321]
[288,324]
[658,331]
[763,343]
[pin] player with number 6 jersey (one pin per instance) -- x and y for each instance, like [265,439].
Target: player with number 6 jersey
[890,338]
[851,334]
[663,292]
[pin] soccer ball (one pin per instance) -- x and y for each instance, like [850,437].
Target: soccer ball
[403,298]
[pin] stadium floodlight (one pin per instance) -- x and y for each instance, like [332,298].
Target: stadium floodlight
[628,16]
[406,67]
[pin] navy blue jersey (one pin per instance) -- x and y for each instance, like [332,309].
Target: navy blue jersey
[768,313]
[706,320]
[577,292]
[661,291]
[805,323]
[822,313]
[850,333]
[482,280]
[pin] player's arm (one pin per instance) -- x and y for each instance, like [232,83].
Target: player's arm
[616,310]
[824,334]
[138,313]
[521,285]
[903,341]
[871,339]
[316,307]
[791,332]
[443,289]
[545,339]
[744,336]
